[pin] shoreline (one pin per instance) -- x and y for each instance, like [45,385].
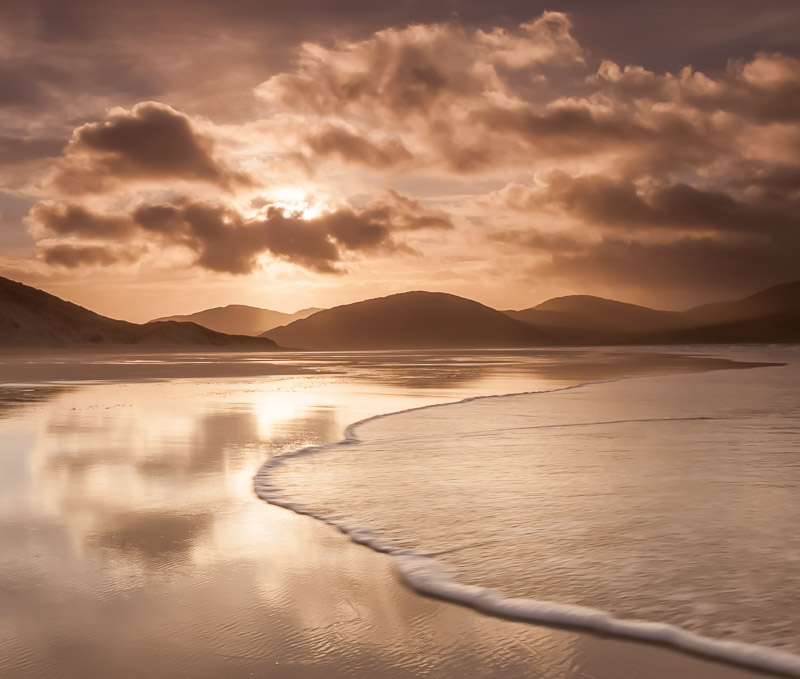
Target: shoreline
[426,576]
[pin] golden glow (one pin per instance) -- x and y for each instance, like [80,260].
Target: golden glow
[295,201]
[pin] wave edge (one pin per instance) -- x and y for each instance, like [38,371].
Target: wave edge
[424,574]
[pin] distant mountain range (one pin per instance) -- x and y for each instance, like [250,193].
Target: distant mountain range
[435,320]
[597,315]
[33,318]
[240,319]
[409,320]
[772,315]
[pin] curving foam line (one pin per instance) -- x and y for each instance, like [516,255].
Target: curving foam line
[425,575]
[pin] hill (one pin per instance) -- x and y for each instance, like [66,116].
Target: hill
[33,318]
[772,315]
[597,314]
[409,320]
[778,300]
[240,319]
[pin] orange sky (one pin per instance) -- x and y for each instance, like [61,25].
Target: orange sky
[352,154]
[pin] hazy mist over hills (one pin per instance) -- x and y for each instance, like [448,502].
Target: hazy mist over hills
[597,314]
[241,319]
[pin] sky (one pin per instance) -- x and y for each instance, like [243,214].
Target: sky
[162,157]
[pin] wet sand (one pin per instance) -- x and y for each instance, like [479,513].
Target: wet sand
[81,365]
[133,545]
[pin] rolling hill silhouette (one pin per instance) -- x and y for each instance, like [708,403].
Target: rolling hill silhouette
[409,320]
[414,320]
[771,315]
[779,299]
[240,319]
[597,314]
[438,320]
[33,318]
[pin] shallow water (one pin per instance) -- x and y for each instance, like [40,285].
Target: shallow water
[672,499]
[132,544]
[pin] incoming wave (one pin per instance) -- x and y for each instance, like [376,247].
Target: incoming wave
[425,574]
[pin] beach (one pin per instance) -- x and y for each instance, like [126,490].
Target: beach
[134,544]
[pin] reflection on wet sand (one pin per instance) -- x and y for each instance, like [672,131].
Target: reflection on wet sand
[18,396]
[133,545]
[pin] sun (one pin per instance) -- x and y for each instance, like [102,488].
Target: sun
[295,201]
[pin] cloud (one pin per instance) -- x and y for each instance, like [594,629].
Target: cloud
[544,40]
[468,102]
[80,256]
[419,89]
[336,140]
[407,72]
[676,238]
[766,87]
[223,239]
[150,142]
[619,205]
[75,220]
[599,160]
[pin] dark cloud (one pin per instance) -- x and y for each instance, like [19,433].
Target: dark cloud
[150,142]
[352,147]
[224,240]
[618,205]
[775,179]
[78,256]
[641,140]
[74,220]
[568,130]
[406,214]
